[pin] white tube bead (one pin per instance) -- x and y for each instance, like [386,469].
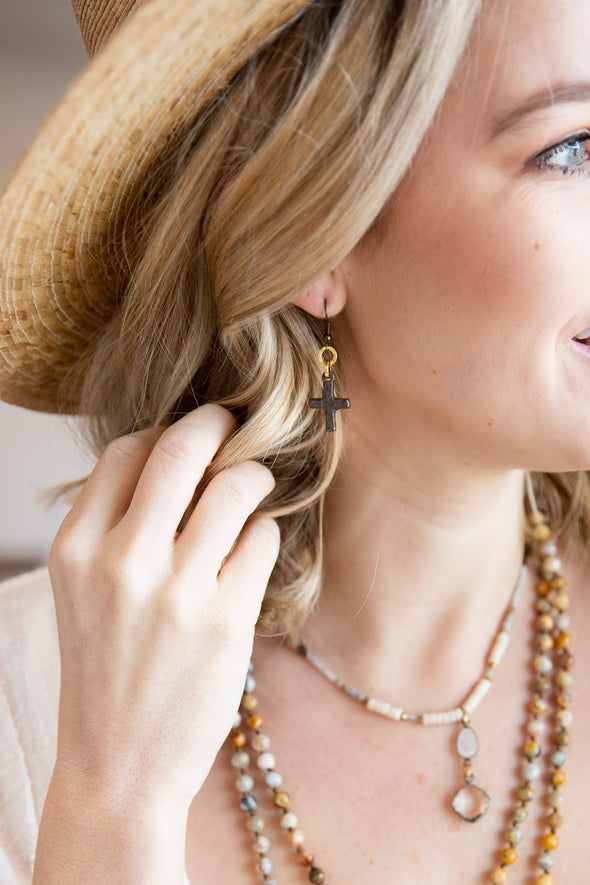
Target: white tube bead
[384,709]
[520,586]
[443,718]
[500,646]
[477,695]
[508,622]
[329,674]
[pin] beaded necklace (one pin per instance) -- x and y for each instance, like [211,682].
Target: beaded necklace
[552,664]
[470,802]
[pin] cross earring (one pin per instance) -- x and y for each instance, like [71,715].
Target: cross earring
[327,356]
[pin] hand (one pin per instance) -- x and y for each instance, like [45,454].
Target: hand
[156,628]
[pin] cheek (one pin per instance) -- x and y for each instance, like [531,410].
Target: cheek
[446,293]
[461,310]
[497,279]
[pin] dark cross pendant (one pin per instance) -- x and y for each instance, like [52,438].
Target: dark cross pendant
[329,403]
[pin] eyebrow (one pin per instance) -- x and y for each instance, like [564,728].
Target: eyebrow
[560,94]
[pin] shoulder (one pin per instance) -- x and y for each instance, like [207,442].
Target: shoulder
[29,691]
[28,633]
[26,606]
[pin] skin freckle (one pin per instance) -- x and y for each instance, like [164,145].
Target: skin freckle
[537,247]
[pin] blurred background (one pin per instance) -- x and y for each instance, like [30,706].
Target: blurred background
[40,53]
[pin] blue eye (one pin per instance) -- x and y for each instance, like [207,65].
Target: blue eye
[570,152]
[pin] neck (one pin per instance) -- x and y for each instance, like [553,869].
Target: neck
[420,564]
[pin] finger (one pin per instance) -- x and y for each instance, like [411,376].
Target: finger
[173,471]
[228,501]
[246,572]
[107,493]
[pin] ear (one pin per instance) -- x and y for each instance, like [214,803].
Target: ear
[327,295]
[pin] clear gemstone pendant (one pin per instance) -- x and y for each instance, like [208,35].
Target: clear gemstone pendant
[470,802]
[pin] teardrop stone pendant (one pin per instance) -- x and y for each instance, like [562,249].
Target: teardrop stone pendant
[470,802]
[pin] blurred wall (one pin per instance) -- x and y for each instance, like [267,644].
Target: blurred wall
[40,53]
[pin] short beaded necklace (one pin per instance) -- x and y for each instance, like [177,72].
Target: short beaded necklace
[470,802]
[552,664]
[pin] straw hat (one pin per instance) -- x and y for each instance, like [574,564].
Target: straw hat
[158,64]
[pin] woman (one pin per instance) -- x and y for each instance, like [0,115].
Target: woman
[231,187]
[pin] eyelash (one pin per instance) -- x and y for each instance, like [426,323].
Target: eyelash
[572,141]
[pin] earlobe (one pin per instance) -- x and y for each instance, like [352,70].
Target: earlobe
[327,294]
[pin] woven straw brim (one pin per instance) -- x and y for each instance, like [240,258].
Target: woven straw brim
[61,216]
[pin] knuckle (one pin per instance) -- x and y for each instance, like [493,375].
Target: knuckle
[177,610]
[119,573]
[66,556]
[243,485]
[231,489]
[124,570]
[230,626]
[177,446]
[133,446]
[122,591]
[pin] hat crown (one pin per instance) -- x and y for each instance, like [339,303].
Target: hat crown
[99,19]
[64,211]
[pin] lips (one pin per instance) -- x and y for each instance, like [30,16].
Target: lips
[583,337]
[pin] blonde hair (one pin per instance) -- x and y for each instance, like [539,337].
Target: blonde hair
[282,176]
